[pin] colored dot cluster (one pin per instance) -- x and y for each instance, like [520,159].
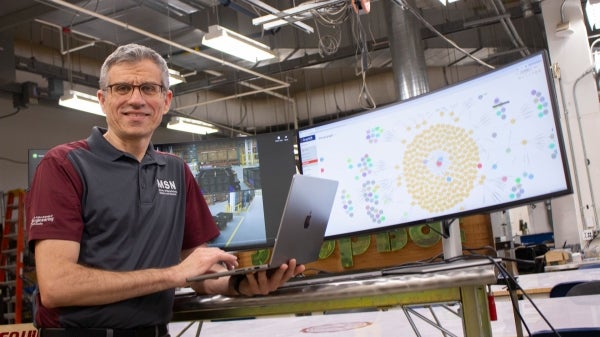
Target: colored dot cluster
[364,166]
[517,190]
[501,110]
[347,204]
[552,146]
[374,134]
[370,195]
[541,103]
[441,182]
[369,190]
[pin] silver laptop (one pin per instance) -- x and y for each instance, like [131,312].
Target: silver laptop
[302,227]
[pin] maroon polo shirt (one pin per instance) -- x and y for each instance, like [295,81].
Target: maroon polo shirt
[126,215]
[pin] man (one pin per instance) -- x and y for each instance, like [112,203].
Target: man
[116,226]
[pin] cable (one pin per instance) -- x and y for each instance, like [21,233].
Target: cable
[506,275]
[13,161]
[331,17]
[11,114]
[511,283]
[517,287]
[363,62]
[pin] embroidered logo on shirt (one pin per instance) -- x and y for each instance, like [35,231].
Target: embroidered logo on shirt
[39,220]
[166,187]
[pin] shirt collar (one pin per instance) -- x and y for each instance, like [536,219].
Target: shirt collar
[100,145]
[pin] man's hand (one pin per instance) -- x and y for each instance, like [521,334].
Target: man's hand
[263,282]
[202,260]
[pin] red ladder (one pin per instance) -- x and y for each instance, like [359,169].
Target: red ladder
[11,256]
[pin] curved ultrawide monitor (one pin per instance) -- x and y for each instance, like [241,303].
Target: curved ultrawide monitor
[245,182]
[488,143]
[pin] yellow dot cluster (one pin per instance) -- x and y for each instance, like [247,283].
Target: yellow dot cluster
[430,189]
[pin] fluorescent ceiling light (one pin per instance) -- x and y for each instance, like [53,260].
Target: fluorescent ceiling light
[81,101]
[175,77]
[235,44]
[191,125]
[592,11]
[445,2]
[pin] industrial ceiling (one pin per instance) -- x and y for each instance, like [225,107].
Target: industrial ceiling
[66,41]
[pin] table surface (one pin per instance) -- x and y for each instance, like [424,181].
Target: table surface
[379,292]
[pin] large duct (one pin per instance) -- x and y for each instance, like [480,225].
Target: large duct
[408,56]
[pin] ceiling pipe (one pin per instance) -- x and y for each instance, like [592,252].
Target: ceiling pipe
[408,55]
[220,99]
[280,84]
[61,32]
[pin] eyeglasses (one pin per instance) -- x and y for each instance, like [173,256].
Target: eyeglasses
[146,89]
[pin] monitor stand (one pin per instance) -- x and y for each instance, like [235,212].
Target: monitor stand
[451,239]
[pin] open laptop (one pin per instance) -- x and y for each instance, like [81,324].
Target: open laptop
[302,227]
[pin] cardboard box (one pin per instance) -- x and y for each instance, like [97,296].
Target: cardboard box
[555,257]
[18,330]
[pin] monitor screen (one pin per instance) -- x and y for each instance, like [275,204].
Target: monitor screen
[245,181]
[34,158]
[488,143]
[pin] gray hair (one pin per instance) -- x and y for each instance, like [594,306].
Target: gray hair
[132,53]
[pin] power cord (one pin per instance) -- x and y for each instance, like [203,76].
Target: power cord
[513,285]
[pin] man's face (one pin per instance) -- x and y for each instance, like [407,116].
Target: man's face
[134,115]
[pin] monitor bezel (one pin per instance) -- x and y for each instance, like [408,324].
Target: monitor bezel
[481,210]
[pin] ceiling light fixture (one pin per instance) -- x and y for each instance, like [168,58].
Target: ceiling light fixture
[260,4]
[175,77]
[232,43]
[81,101]
[445,2]
[592,12]
[191,125]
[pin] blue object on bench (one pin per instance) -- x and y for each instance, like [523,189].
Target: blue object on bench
[561,289]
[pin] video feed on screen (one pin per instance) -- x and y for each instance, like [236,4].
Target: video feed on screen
[244,181]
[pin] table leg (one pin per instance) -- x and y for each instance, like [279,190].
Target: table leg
[476,314]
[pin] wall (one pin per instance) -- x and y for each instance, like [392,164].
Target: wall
[578,95]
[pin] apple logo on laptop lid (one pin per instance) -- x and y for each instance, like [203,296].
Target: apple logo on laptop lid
[307,220]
